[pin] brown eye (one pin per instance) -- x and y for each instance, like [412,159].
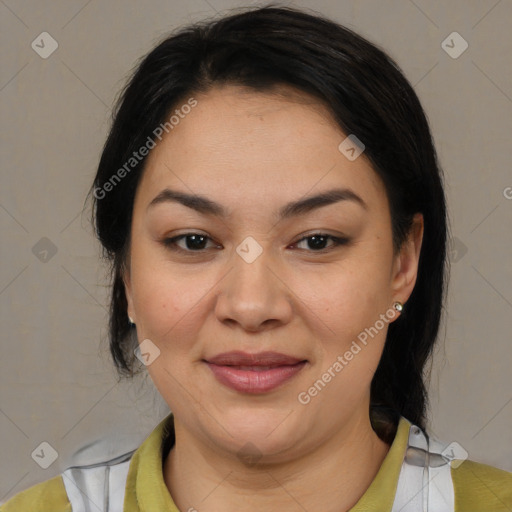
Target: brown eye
[193,242]
[317,242]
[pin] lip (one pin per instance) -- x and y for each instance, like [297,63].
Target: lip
[254,373]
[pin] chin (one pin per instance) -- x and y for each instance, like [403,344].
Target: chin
[268,432]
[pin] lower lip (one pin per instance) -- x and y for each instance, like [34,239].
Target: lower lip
[253,381]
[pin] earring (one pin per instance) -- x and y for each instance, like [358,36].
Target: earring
[130,319]
[398,306]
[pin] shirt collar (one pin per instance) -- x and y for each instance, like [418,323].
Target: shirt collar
[381,493]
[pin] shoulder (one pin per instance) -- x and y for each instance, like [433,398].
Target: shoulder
[479,487]
[47,496]
[89,473]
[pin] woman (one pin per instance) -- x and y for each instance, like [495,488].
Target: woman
[271,202]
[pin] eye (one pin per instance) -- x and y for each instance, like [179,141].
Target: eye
[193,242]
[317,241]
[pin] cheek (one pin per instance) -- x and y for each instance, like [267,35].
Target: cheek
[351,305]
[352,310]
[167,301]
[348,296]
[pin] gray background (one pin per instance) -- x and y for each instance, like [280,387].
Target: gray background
[57,382]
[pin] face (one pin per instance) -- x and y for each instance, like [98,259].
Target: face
[269,308]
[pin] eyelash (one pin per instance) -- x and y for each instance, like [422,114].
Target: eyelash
[170,243]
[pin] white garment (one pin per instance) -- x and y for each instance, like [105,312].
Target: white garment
[98,487]
[425,483]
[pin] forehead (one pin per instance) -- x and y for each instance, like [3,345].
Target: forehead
[240,145]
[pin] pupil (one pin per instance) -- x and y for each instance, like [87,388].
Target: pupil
[317,242]
[194,244]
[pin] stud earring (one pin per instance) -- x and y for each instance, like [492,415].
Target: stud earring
[130,319]
[398,306]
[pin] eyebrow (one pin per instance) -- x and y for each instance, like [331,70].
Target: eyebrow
[206,206]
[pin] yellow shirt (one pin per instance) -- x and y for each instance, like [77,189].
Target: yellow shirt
[477,487]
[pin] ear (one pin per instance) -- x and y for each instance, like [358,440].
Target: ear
[126,277]
[405,268]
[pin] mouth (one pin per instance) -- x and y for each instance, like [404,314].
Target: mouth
[254,373]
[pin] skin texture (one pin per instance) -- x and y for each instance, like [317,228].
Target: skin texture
[253,153]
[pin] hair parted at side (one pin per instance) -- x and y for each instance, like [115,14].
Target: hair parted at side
[367,95]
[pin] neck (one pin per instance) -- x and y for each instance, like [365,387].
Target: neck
[332,478]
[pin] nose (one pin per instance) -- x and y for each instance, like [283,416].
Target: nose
[253,296]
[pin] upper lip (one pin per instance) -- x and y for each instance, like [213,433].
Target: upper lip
[239,358]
